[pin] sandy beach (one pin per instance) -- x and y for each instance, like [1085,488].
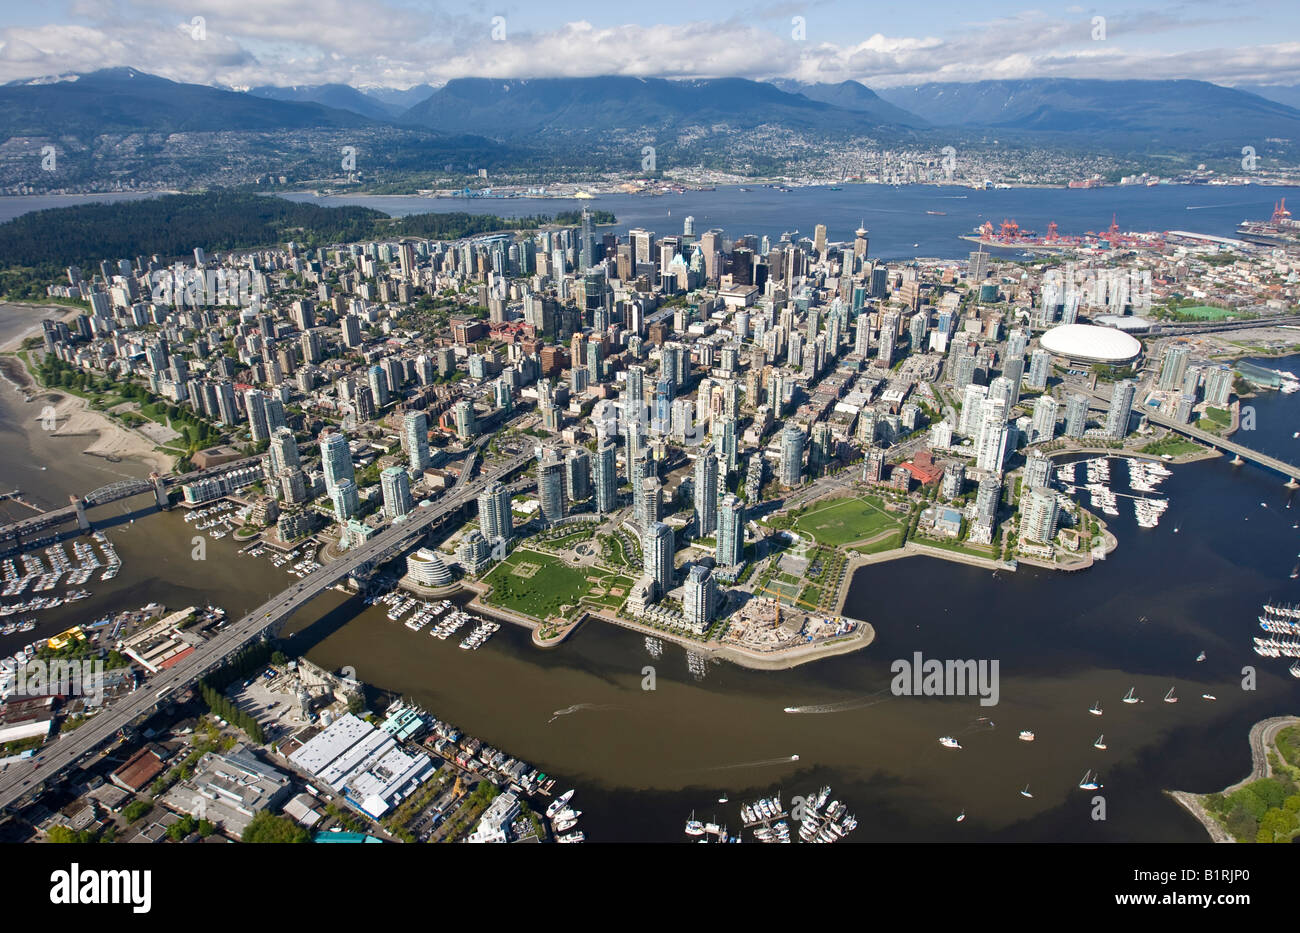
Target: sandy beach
[73,417]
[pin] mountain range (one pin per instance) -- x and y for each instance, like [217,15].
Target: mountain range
[124,100]
[1066,105]
[119,123]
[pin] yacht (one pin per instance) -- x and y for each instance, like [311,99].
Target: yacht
[1211,696]
[961,816]
[949,742]
[1130,697]
[1200,657]
[1169,697]
[1295,669]
[1095,709]
[1100,743]
[1026,735]
[558,803]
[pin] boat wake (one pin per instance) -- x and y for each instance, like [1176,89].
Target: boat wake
[765,763]
[871,699]
[576,708]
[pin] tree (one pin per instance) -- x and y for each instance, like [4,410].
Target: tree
[267,827]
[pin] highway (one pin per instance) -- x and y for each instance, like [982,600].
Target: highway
[21,778]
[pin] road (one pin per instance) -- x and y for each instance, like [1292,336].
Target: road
[21,778]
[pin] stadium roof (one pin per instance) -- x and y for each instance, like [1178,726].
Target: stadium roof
[1092,344]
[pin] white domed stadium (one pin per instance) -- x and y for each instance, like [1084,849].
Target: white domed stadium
[1087,344]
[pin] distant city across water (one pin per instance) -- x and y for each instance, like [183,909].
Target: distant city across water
[898,218]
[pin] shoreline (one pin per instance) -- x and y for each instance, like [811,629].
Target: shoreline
[1262,738]
[75,418]
[782,660]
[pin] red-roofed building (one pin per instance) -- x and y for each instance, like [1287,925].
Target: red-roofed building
[923,468]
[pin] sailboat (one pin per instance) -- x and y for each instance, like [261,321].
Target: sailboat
[1095,709]
[1211,696]
[1025,792]
[1129,697]
[1089,782]
[1200,657]
[1295,669]
[723,799]
[961,816]
[693,826]
[1100,743]
[1169,697]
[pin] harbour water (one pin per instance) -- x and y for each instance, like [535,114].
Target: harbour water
[646,758]
[897,217]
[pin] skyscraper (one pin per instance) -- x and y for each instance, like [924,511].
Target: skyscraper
[1040,367]
[1173,367]
[706,493]
[731,532]
[605,476]
[1038,517]
[283,452]
[991,444]
[1121,409]
[255,402]
[700,599]
[494,516]
[577,474]
[415,428]
[1076,415]
[1044,423]
[648,495]
[336,459]
[550,485]
[466,422]
[657,556]
[346,500]
[397,492]
[791,456]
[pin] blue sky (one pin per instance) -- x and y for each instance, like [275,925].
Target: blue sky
[399,43]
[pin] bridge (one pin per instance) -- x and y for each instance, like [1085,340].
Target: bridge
[1241,451]
[24,778]
[114,492]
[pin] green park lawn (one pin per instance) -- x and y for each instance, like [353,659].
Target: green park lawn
[846,519]
[537,585]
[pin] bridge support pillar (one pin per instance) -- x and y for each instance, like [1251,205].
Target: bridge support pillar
[83,523]
[1237,461]
[1292,484]
[160,492]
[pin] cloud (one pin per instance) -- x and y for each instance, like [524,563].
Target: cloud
[390,43]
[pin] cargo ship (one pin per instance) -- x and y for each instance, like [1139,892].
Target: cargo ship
[1278,230]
